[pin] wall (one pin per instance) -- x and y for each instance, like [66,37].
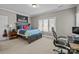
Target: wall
[64,20]
[11,17]
[77,16]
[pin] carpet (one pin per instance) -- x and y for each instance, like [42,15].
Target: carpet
[20,46]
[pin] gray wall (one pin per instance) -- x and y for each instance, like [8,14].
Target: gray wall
[64,20]
[77,16]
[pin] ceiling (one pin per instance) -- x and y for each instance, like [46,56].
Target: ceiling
[27,9]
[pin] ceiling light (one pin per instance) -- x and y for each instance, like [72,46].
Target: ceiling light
[34,5]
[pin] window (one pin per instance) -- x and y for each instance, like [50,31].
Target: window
[40,25]
[52,23]
[46,24]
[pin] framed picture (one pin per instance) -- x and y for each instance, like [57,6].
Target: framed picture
[21,18]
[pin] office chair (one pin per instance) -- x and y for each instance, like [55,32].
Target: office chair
[62,43]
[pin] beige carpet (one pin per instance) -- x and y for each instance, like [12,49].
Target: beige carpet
[41,46]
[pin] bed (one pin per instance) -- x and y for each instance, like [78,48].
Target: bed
[29,35]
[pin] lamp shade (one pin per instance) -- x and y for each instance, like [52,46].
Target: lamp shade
[10,25]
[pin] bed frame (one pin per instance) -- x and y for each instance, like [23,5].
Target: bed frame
[32,38]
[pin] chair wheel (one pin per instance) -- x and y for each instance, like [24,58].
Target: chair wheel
[54,50]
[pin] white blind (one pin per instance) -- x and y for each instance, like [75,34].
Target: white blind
[52,23]
[3,25]
[45,25]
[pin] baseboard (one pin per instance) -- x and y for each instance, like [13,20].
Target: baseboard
[47,36]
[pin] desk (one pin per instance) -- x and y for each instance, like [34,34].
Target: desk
[74,46]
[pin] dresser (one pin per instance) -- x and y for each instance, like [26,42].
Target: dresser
[12,34]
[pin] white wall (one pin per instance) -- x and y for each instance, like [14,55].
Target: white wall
[11,17]
[64,20]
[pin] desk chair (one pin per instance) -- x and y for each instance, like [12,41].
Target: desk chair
[61,42]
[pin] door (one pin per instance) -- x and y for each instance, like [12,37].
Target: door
[3,25]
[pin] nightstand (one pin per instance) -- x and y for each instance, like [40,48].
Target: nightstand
[12,34]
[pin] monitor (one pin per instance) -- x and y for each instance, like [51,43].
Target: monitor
[75,30]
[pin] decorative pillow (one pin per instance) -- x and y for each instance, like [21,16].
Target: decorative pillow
[19,27]
[26,27]
[30,27]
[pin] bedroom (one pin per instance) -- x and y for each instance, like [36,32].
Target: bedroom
[27,27]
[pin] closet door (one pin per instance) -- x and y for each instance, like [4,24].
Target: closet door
[3,25]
